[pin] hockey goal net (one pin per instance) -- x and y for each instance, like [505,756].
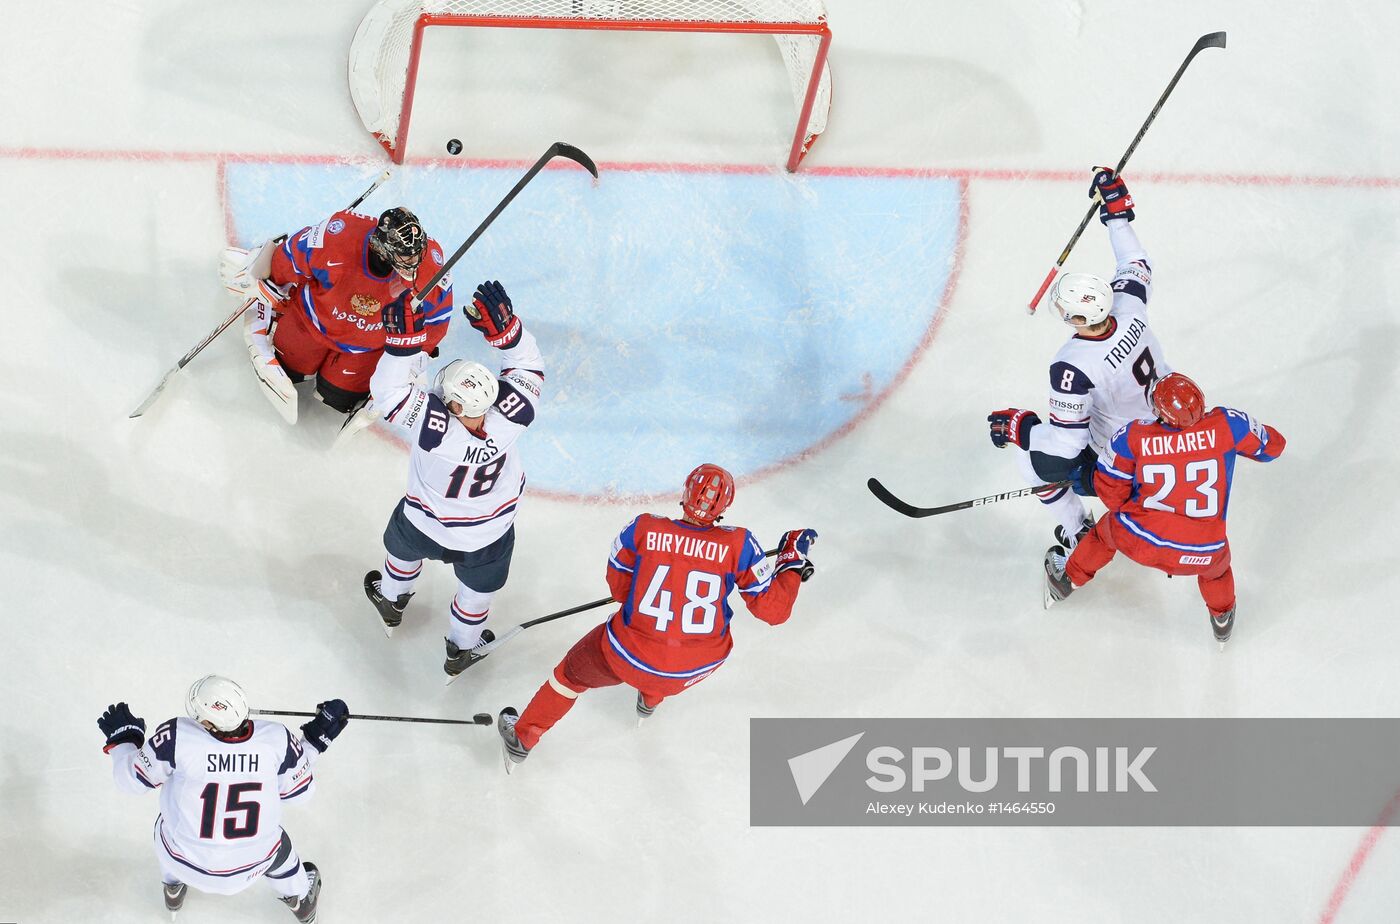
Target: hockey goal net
[385,54]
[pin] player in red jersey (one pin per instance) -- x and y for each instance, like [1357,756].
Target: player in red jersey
[672,578]
[1167,486]
[315,300]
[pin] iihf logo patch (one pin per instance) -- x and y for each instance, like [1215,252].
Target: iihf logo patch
[336,226]
[437,257]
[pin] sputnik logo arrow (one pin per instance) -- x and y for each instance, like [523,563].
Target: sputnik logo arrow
[812,769]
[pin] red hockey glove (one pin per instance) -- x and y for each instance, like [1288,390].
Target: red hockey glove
[491,313]
[403,327]
[793,550]
[1117,201]
[1012,425]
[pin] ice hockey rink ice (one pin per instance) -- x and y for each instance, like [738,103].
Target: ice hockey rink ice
[208,536]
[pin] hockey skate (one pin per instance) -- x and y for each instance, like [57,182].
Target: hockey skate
[643,710]
[175,897]
[1057,583]
[459,660]
[1069,542]
[390,612]
[305,906]
[1222,626]
[513,752]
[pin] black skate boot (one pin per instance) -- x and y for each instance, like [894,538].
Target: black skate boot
[459,660]
[390,612]
[514,751]
[1222,626]
[643,710]
[305,906]
[1069,542]
[174,897]
[1057,583]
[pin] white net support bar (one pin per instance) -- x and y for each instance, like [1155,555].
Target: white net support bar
[384,56]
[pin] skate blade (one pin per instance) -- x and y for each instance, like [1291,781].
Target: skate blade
[388,630]
[1048,598]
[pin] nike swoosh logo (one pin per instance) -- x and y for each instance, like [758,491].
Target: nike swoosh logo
[340,263]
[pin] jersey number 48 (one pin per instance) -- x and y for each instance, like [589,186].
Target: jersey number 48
[697,617]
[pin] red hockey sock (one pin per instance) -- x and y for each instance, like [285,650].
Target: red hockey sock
[551,702]
[1218,592]
[1093,552]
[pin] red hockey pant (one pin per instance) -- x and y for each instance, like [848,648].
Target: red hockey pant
[1108,537]
[304,352]
[586,667]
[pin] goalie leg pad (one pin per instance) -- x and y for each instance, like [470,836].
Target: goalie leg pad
[258,324]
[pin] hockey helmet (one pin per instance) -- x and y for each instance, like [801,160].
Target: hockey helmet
[217,701]
[709,490]
[1082,295]
[470,385]
[398,239]
[1177,401]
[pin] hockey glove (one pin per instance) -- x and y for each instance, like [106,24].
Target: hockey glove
[331,719]
[121,727]
[793,550]
[491,313]
[1013,426]
[403,327]
[245,272]
[1117,202]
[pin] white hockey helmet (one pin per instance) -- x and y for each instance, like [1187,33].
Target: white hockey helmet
[218,701]
[469,384]
[1082,295]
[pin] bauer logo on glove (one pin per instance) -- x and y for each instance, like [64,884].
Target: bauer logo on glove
[491,312]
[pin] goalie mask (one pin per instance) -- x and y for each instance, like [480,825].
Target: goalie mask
[399,240]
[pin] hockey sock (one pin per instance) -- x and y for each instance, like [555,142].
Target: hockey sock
[288,879]
[1062,504]
[399,577]
[550,704]
[1092,553]
[469,611]
[1218,592]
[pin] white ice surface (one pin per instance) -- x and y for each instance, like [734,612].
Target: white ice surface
[210,537]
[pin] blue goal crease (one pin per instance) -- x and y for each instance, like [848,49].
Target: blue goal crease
[684,317]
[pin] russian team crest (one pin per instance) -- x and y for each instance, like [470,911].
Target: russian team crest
[365,306]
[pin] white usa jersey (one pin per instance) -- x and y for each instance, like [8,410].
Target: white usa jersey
[463,487]
[220,800]
[1099,384]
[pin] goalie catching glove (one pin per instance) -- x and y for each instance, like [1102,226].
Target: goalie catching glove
[491,313]
[793,550]
[245,272]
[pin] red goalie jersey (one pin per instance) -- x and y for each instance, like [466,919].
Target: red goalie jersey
[673,580]
[336,295]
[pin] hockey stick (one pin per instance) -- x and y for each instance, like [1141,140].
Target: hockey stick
[481,718]
[1213,40]
[366,414]
[225,325]
[557,149]
[492,645]
[909,510]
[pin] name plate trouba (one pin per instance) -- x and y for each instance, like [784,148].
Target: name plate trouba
[1206,772]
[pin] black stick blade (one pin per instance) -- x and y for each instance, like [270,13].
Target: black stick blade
[483,718]
[564,149]
[889,500]
[1214,40]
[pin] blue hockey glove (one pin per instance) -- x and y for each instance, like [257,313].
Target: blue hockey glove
[793,550]
[492,313]
[121,727]
[1012,426]
[403,327]
[331,719]
[1117,201]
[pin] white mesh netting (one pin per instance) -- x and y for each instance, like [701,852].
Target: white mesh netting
[379,54]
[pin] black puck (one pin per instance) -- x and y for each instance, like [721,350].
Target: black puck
[454,147]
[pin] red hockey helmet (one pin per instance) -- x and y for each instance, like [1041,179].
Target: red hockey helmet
[1178,401]
[709,490]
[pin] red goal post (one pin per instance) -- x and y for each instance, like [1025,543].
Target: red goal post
[385,54]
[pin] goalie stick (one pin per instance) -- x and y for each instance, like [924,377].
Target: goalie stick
[224,325]
[909,510]
[491,646]
[481,718]
[366,414]
[1213,40]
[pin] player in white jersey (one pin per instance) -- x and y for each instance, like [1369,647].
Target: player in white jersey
[1099,380]
[465,476]
[223,778]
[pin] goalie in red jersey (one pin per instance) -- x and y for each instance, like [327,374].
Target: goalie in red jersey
[1167,486]
[672,578]
[315,300]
